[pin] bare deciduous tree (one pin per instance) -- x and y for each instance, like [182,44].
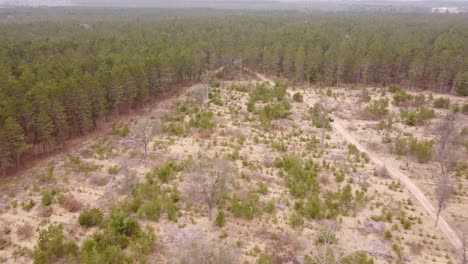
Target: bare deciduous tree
[327,238]
[464,248]
[443,193]
[200,94]
[446,133]
[207,180]
[146,130]
[447,156]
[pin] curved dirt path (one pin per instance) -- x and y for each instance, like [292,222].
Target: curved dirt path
[407,182]
[396,174]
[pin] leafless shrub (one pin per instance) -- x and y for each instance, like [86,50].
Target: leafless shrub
[4,240]
[71,204]
[98,180]
[146,130]
[197,252]
[285,248]
[374,146]
[207,179]
[44,211]
[416,248]
[234,132]
[324,181]
[204,134]
[383,172]
[25,232]
[268,162]
[200,94]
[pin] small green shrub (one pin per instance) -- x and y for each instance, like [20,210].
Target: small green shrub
[393,88]
[113,170]
[265,259]
[90,218]
[47,198]
[27,206]
[401,96]
[295,219]
[203,121]
[442,102]
[52,245]
[421,149]
[220,219]
[273,111]
[465,109]
[120,129]
[297,97]
[357,258]
[165,172]
[378,108]
[270,207]
[246,208]
[417,117]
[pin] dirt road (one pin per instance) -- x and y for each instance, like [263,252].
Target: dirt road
[405,180]
[397,175]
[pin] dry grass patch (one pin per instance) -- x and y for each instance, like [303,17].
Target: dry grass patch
[25,232]
[71,204]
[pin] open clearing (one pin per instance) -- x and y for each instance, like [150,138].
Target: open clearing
[266,215]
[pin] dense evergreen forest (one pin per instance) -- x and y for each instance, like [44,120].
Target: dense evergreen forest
[60,78]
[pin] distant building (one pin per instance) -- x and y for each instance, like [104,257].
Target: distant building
[448,10]
[85,26]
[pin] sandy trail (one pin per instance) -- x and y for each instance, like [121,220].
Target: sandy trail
[396,174]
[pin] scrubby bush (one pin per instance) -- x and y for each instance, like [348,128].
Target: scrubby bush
[220,219]
[442,102]
[215,97]
[113,169]
[270,207]
[165,172]
[365,97]
[297,97]
[401,96]
[417,117]
[52,245]
[296,219]
[301,177]
[120,129]
[150,201]
[90,218]
[465,109]
[421,149]
[121,232]
[357,258]
[313,207]
[378,108]
[244,88]
[174,129]
[393,88]
[203,121]
[273,111]
[245,208]
[47,197]
[28,205]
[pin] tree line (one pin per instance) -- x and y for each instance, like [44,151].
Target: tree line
[60,79]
